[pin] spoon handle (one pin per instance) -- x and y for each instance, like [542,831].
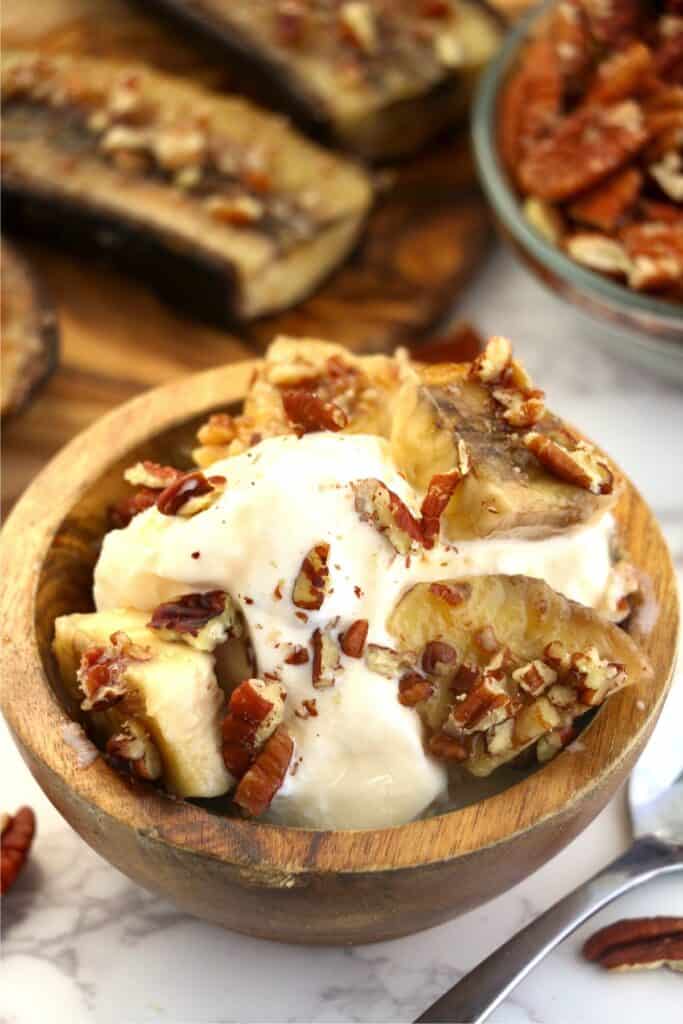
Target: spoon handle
[478,993]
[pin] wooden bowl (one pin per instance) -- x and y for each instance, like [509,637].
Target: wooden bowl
[289,884]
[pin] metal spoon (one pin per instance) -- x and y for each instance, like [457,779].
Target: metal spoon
[655,797]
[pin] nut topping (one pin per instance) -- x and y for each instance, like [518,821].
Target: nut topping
[152,475]
[189,494]
[414,688]
[637,944]
[581,466]
[308,412]
[439,658]
[446,748]
[202,620]
[352,640]
[535,677]
[313,579]
[255,711]
[377,505]
[101,673]
[134,745]
[490,365]
[17,835]
[262,780]
[326,658]
[441,489]
[487,704]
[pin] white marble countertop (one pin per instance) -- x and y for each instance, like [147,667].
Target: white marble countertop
[83,945]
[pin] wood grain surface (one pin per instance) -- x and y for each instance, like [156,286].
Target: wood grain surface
[291,884]
[427,234]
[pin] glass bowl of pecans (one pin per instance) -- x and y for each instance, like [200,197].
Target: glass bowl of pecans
[578,131]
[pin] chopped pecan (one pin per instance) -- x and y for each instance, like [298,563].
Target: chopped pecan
[101,673]
[308,412]
[446,748]
[264,777]
[593,677]
[491,364]
[535,677]
[189,494]
[439,658]
[583,149]
[239,211]
[135,746]
[638,943]
[656,254]
[581,466]
[17,835]
[500,737]
[357,24]
[202,620]
[605,206]
[486,704]
[523,407]
[310,709]
[352,640]
[441,489]
[553,742]
[557,656]
[326,658]
[255,710]
[298,656]
[151,475]
[313,579]
[414,688]
[377,505]
[219,429]
[121,513]
[466,678]
[452,593]
[533,720]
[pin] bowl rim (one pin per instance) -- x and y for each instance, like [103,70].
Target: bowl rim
[27,696]
[507,208]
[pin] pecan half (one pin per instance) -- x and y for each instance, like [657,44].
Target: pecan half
[134,745]
[308,412]
[313,579]
[637,944]
[262,780]
[439,658]
[377,505]
[17,835]
[352,640]
[581,466]
[325,658]
[189,494]
[202,620]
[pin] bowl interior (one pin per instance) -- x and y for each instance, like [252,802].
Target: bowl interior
[651,323]
[50,545]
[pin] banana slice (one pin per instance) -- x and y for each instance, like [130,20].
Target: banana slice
[504,661]
[141,686]
[518,485]
[351,393]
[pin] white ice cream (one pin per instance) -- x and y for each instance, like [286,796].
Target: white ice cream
[360,763]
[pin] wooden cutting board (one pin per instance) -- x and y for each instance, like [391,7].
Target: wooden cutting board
[429,230]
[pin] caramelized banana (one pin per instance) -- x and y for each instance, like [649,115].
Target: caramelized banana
[516,485]
[516,662]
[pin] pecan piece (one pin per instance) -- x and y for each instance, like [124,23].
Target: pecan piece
[535,677]
[326,659]
[262,780]
[17,835]
[134,745]
[581,466]
[377,505]
[202,620]
[487,704]
[352,640]
[308,412]
[101,673]
[255,711]
[523,407]
[313,579]
[605,206]
[441,489]
[491,364]
[530,103]
[656,254]
[151,474]
[439,658]
[310,709]
[638,943]
[189,494]
[594,677]
[621,75]
[446,748]
[583,149]
[414,688]
[298,656]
